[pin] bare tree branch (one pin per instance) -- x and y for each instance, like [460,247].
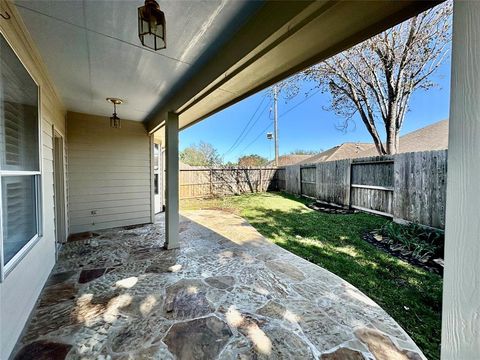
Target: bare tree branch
[377,78]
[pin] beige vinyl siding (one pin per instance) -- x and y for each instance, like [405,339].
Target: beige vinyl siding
[109,172]
[21,287]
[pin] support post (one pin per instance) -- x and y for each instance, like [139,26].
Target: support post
[172,187]
[461,289]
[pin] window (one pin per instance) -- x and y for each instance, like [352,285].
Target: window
[19,159]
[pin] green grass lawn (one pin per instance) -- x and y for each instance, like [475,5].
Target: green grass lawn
[411,295]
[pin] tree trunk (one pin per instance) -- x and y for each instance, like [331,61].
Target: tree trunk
[373,132]
[392,145]
[379,146]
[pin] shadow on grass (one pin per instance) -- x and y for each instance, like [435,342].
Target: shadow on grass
[411,295]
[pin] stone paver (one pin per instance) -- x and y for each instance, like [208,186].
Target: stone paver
[227,293]
[201,339]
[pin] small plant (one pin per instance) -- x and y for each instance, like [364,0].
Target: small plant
[423,243]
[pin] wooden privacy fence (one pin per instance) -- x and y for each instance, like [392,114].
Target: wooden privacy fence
[203,183]
[410,186]
[371,185]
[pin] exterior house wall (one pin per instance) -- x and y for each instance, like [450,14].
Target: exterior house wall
[109,173]
[22,286]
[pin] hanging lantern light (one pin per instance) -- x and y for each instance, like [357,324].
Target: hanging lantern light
[151,26]
[114,119]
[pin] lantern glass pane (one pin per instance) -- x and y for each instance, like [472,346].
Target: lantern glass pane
[159,31]
[149,41]
[145,27]
[140,30]
[160,43]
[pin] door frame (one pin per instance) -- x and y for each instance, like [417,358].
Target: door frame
[158,198]
[59,187]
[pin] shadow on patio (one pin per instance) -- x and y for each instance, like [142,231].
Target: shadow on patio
[226,293]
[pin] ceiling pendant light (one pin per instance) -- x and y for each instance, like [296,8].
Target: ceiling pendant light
[151,26]
[114,119]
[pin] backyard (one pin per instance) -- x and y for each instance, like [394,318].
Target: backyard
[411,295]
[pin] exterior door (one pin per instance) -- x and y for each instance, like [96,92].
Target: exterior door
[158,178]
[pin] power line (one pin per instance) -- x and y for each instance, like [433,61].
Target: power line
[258,118]
[245,127]
[253,124]
[254,140]
[245,132]
[282,114]
[300,103]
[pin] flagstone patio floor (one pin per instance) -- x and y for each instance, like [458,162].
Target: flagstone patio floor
[226,293]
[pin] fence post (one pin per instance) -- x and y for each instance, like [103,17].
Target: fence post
[300,179]
[348,197]
[211,182]
[261,184]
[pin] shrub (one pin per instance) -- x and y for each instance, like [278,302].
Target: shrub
[422,242]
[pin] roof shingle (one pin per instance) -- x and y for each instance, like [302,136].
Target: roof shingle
[340,152]
[429,138]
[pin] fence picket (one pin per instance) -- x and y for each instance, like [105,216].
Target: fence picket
[204,183]
[410,186]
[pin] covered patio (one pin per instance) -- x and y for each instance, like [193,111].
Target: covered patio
[204,285]
[225,293]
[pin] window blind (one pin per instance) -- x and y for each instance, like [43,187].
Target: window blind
[19,154]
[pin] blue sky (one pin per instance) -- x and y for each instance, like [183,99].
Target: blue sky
[306,125]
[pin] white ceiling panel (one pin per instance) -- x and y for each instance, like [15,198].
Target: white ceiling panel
[70,11]
[67,43]
[92,51]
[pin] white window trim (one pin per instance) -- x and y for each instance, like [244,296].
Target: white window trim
[15,260]
[5,269]
[6,173]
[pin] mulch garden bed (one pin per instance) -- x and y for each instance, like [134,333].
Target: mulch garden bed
[432,264]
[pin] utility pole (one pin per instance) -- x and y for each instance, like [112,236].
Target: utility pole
[275,121]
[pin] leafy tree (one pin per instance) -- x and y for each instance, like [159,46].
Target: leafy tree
[230,164]
[203,154]
[252,160]
[377,78]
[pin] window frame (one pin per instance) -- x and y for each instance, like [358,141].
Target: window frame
[7,268]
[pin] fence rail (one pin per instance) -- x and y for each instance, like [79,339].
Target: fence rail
[409,186]
[204,183]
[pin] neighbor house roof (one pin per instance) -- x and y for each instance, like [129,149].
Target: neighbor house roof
[340,152]
[428,138]
[285,160]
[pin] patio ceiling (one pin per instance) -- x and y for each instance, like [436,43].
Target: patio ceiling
[218,52]
[92,50]
[280,39]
